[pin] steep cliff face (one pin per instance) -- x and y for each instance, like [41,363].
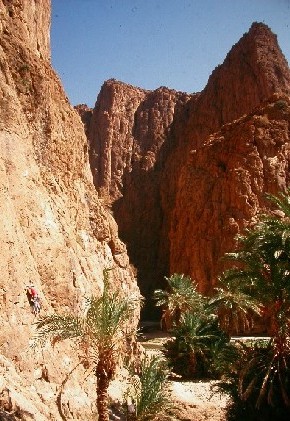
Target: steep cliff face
[126,135]
[54,230]
[86,114]
[29,21]
[222,188]
[253,70]
[140,147]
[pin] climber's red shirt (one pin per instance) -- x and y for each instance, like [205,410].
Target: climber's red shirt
[32,291]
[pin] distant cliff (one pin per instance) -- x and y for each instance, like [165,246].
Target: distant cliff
[252,72]
[152,157]
[127,132]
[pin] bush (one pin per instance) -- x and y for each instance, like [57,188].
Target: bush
[196,346]
[148,391]
[181,296]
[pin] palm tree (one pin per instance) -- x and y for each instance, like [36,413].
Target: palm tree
[232,301]
[260,281]
[262,268]
[181,296]
[101,335]
[197,339]
[190,350]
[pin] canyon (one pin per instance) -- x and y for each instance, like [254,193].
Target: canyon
[185,173]
[148,183]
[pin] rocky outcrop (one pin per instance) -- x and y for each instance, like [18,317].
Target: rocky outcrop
[141,147]
[86,114]
[29,21]
[253,70]
[54,229]
[110,135]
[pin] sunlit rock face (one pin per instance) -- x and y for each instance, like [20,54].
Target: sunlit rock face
[168,162]
[54,230]
[222,187]
[252,72]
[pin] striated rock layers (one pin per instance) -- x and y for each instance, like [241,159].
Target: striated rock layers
[54,230]
[173,183]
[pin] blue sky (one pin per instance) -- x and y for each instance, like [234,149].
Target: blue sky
[152,43]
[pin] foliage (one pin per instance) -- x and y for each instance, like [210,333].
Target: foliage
[262,266]
[234,304]
[257,284]
[100,330]
[181,296]
[196,343]
[149,389]
[263,383]
[101,336]
[260,385]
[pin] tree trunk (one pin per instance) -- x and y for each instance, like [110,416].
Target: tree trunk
[102,396]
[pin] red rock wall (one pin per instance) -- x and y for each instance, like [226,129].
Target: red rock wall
[127,133]
[29,20]
[222,187]
[253,70]
[167,203]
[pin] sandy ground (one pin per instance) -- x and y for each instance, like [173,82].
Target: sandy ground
[197,401]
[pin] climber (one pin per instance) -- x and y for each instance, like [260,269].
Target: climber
[33,299]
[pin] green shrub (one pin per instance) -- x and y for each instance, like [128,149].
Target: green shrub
[180,296]
[197,341]
[260,382]
[148,391]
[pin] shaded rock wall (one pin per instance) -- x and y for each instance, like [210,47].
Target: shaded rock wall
[86,114]
[126,136]
[54,230]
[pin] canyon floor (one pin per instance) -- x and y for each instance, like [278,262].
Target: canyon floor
[191,400]
[195,401]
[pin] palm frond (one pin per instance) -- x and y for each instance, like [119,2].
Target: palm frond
[281,200]
[107,314]
[161,297]
[59,327]
[181,296]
